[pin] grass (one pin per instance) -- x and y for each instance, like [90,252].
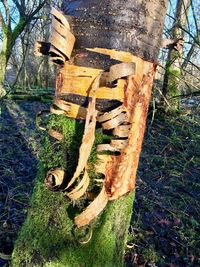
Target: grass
[166,215]
[165,227]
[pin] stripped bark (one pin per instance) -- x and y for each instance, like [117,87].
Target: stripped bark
[107,33]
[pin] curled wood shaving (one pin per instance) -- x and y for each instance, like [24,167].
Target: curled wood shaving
[83,242]
[117,55]
[5,256]
[89,133]
[58,14]
[107,147]
[114,146]
[119,143]
[54,179]
[130,245]
[69,109]
[122,130]
[56,56]
[61,41]
[55,134]
[55,110]
[118,71]
[110,115]
[81,188]
[63,44]
[93,210]
[116,121]
[62,104]
[38,119]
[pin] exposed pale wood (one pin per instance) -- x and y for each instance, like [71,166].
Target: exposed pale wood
[78,80]
[80,85]
[114,54]
[121,170]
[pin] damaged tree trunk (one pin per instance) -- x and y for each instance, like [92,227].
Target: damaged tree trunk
[107,84]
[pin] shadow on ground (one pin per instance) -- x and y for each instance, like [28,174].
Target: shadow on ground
[19,145]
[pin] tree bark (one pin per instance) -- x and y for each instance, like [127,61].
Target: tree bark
[173,68]
[10,35]
[49,236]
[3,64]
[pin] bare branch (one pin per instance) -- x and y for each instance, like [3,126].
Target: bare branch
[19,7]
[194,17]
[2,22]
[8,18]
[185,30]
[30,17]
[189,54]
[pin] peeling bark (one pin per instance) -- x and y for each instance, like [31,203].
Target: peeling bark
[99,27]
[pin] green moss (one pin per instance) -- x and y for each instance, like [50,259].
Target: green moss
[174,74]
[150,254]
[48,236]
[174,81]
[46,226]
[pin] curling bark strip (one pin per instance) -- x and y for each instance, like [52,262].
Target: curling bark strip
[128,82]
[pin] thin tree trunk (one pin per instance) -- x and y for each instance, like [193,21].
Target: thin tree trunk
[2,72]
[3,64]
[49,236]
[173,71]
[190,52]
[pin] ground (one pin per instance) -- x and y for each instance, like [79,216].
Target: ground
[165,225]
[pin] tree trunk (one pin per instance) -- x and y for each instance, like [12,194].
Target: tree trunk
[7,45]
[49,236]
[173,70]
[3,64]
[2,72]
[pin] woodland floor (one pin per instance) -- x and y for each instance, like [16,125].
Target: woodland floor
[165,226]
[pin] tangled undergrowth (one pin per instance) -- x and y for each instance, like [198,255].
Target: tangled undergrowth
[165,222]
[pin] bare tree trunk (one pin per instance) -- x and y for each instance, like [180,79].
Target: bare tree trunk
[49,236]
[173,68]
[3,64]
[2,72]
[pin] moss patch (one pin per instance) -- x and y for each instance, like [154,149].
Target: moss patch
[48,236]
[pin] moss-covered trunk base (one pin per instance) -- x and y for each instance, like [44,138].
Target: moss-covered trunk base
[49,236]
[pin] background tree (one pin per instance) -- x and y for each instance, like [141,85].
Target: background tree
[175,54]
[179,63]
[14,17]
